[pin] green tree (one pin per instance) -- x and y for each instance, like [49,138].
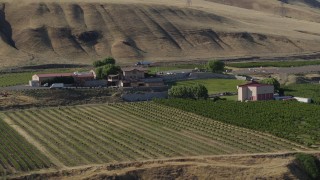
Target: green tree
[97,64]
[109,60]
[272,81]
[215,66]
[106,67]
[200,91]
[197,91]
[98,72]
[103,71]
[180,92]
[106,61]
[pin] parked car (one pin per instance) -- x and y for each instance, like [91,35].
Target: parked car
[45,85]
[57,86]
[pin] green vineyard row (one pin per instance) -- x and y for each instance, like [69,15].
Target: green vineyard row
[123,132]
[290,120]
[16,154]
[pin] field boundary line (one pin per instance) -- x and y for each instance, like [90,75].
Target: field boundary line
[129,164]
[32,141]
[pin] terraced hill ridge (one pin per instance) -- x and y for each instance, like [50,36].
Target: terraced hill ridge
[39,32]
[129,132]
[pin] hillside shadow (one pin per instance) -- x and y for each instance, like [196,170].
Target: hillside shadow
[6,29]
[313,3]
[299,172]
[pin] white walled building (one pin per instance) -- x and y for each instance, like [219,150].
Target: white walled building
[255,91]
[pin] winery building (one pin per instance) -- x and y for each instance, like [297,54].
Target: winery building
[79,78]
[255,91]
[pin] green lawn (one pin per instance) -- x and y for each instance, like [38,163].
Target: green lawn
[12,79]
[176,67]
[304,90]
[215,85]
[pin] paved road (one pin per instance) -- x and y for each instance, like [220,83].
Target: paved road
[26,87]
[275,70]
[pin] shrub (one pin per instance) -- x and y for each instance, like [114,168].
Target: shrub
[106,67]
[196,91]
[104,71]
[215,66]
[272,81]
[106,61]
[199,91]
[97,63]
[180,92]
[309,164]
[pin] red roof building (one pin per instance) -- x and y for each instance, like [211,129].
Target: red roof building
[53,75]
[78,77]
[133,73]
[255,91]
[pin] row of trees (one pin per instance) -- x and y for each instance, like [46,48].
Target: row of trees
[197,91]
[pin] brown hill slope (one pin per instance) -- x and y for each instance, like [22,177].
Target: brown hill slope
[298,9]
[41,32]
[310,3]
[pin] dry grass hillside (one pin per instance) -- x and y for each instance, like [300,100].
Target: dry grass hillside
[298,9]
[39,32]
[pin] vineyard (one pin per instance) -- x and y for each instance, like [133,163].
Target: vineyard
[122,132]
[291,120]
[16,154]
[274,64]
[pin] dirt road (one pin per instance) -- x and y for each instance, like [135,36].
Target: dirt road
[243,166]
